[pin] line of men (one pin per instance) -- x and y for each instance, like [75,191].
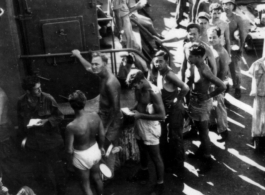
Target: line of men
[159,97]
[84,152]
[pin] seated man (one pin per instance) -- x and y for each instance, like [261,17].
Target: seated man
[148,111]
[81,143]
[200,103]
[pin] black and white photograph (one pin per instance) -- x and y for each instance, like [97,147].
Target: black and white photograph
[132,97]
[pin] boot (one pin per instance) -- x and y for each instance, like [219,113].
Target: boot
[224,136]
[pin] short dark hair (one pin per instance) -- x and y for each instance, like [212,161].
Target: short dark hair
[234,5]
[197,49]
[77,100]
[134,76]
[98,54]
[193,25]
[215,6]
[162,53]
[29,82]
[215,28]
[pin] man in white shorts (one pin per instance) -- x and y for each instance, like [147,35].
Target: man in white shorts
[148,111]
[84,143]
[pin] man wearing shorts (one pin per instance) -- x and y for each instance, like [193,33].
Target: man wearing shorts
[81,145]
[200,103]
[148,111]
[109,102]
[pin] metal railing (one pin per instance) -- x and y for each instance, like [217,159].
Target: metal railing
[113,60]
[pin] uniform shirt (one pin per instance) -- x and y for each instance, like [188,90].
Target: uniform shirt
[257,70]
[45,137]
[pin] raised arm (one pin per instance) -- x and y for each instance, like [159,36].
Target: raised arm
[76,53]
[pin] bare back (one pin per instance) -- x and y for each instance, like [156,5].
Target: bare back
[85,128]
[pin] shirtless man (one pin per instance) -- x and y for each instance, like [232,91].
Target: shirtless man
[235,23]
[200,103]
[173,93]
[148,111]
[81,145]
[214,36]
[203,20]
[109,103]
[215,11]
[187,68]
[202,6]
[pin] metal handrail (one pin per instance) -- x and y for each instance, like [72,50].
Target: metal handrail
[83,52]
[104,19]
[87,52]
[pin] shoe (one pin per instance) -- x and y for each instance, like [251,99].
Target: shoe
[191,134]
[212,127]
[142,176]
[158,189]
[206,166]
[224,136]
[237,93]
